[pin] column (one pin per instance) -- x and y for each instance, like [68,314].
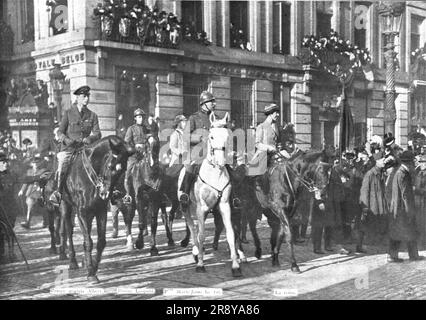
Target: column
[222,23]
[254,25]
[209,20]
[296,27]
[267,26]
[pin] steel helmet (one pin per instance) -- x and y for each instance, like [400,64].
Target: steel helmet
[206,97]
[138,112]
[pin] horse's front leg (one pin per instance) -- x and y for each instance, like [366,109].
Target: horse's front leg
[169,217]
[284,231]
[30,202]
[191,230]
[101,224]
[252,219]
[51,216]
[142,212]
[128,212]
[154,208]
[225,211]
[218,224]
[69,232]
[85,220]
[201,212]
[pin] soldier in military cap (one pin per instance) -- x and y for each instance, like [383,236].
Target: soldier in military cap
[199,126]
[79,126]
[136,136]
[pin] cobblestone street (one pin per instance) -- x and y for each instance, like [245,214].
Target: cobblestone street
[332,276]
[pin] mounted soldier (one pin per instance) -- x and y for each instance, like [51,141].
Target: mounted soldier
[79,127]
[199,126]
[136,136]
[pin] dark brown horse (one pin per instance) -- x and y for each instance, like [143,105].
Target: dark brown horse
[149,186]
[279,199]
[93,174]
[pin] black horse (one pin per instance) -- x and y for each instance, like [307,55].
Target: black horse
[92,176]
[278,200]
[149,188]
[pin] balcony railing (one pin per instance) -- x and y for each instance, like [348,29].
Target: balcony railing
[143,26]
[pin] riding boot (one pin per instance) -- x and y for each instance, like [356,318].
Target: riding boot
[186,188]
[57,194]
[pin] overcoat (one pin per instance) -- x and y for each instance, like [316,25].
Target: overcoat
[402,217]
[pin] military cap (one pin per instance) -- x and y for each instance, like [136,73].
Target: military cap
[82,90]
[139,112]
[270,109]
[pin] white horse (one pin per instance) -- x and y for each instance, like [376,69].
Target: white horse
[211,190]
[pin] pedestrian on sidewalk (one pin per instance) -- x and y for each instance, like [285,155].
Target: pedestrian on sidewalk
[373,218]
[402,218]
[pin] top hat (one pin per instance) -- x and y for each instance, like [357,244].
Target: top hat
[389,139]
[82,90]
[270,109]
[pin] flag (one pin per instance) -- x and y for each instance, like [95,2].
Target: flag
[346,125]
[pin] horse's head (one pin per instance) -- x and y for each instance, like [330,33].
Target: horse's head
[151,150]
[120,152]
[218,141]
[314,172]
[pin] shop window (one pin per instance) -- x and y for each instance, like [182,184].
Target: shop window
[281,27]
[241,103]
[58,22]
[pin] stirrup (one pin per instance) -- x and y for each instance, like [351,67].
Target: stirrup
[184,199]
[127,199]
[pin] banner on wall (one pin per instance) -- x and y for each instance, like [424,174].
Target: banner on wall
[58,16]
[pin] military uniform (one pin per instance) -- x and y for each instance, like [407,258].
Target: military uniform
[8,192]
[76,129]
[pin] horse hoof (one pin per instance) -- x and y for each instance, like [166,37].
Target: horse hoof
[154,252]
[114,234]
[130,247]
[195,258]
[258,254]
[236,273]
[93,279]
[215,246]
[171,243]
[295,268]
[139,244]
[184,243]
[275,263]
[73,265]
[53,250]
[199,269]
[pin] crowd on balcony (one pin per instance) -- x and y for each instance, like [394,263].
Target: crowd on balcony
[135,22]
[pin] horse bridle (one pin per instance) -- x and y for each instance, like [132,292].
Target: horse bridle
[97,181]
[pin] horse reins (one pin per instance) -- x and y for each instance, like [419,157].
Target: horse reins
[219,192]
[90,171]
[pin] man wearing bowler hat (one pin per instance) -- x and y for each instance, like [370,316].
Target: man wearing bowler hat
[79,126]
[402,219]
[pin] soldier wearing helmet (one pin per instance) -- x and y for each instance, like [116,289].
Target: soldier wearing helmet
[136,136]
[199,126]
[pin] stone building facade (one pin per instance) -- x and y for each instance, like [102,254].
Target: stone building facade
[167,81]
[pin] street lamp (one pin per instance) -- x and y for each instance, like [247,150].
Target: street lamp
[390,17]
[57,80]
